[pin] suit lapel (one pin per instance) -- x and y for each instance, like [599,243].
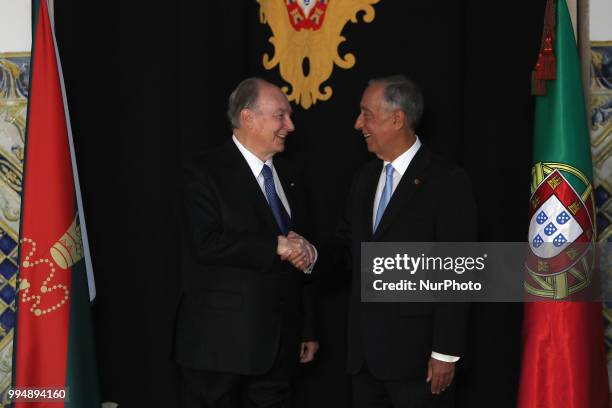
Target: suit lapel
[288,184]
[411,181]
[243,177]
[371,182]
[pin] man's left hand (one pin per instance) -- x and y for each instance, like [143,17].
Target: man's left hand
[440,374]
[308,349]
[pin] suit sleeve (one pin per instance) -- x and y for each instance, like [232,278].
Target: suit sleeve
[212,242]
[335,259]
[332,267]
[456,222]
[308,330]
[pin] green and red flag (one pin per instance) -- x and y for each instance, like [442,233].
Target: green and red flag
[563,361]
[54,347]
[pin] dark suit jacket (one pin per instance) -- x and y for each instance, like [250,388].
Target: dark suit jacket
[396,339]
[240,304]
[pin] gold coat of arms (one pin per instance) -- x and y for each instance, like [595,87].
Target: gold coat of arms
[306,36]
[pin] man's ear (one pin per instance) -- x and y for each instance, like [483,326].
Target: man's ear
[400,119]
[246,118]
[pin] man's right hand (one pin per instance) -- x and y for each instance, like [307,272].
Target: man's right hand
[296,252]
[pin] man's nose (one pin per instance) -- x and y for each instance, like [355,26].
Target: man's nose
[359,122]
[289,125]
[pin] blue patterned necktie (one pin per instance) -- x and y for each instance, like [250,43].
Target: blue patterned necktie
[385,196]
[278,209]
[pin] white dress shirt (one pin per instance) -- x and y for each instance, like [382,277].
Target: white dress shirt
[256,165]
[400,164]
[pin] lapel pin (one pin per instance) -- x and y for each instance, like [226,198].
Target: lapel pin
[417,181]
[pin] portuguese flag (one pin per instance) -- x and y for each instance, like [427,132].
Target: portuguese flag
[563,362]
[54,346]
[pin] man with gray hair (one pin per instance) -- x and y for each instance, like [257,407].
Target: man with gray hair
[403,355]
[244,319]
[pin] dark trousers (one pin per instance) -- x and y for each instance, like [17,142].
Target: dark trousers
[209,389]
[370,392]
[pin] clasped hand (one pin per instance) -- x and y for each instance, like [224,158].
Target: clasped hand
[295,249]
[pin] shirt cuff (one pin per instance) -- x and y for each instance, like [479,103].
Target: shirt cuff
[310,267]
[444,357]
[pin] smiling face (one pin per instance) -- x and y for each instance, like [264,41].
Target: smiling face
[374,121]
[384,129]
[269,122]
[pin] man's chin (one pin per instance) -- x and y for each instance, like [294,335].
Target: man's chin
[375,152]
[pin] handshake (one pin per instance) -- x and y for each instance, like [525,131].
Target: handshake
[296,249]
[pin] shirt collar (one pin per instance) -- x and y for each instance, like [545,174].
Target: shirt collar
[254,162]
[401,163]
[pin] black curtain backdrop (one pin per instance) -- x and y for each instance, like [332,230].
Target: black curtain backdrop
[147,86]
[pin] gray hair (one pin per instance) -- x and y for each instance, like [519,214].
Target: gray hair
[402,93]
[243,97]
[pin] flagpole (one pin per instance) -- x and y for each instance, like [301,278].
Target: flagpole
[51,8]
[77,186]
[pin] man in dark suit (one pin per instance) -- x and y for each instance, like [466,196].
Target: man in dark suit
[243,321]
[403,354]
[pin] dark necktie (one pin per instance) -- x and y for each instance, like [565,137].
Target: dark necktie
[278,209]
